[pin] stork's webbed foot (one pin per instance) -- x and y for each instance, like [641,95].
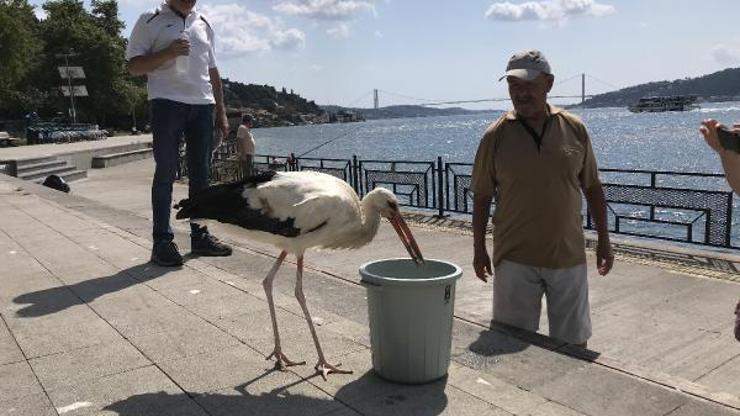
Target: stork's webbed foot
[324,368]
[281,361]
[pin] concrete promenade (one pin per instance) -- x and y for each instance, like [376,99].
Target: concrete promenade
[90,327]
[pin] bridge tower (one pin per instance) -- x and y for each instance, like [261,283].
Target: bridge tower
[583,90]
[376,102]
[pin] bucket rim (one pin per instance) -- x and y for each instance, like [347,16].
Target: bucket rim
[380,280]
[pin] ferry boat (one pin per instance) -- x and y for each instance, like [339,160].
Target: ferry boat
[665,103]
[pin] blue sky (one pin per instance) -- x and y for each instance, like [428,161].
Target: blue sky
[337,51]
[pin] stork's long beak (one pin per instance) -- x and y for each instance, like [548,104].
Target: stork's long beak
[404,233]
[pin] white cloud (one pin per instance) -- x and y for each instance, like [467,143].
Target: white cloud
[316,68]
[240,31]
[378,34]
[339,31]
[725,54]
[325,9]
[553,10]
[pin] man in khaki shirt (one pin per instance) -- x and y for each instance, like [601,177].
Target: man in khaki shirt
[536,161]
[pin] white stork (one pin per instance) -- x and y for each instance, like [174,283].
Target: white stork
[295,211]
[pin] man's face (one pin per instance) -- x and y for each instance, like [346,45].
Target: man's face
[184,7]
[529,97]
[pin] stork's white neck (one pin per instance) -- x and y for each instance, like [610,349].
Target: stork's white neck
[370,221]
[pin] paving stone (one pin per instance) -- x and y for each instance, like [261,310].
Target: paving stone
[255,329]
[89,363]
[9,351]
[222,369]
[227,306]
[726,377]
[44,303]
[362,383]
[180,341]
[142,311]
[359,333]
[16,285]
[552,409]
[31,405]
[701,408]
[202,289]
[140,392]
[42,340]
[17,380]
[428,399]
[342,411]
[499,393]
[516,362]
[600,391]
[271,395]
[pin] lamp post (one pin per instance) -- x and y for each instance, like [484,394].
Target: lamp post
[66,57]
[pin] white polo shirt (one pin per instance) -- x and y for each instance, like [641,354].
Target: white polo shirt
[158,28]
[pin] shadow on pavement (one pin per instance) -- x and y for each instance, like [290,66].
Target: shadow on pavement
[494,342]
[56,299]
[368,395]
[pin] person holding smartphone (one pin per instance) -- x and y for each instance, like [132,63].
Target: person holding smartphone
[726,142]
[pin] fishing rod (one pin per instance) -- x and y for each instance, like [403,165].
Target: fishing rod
[330,141]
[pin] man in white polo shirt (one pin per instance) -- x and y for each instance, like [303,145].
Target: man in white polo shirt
[173,46]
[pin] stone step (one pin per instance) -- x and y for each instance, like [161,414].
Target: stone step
[114,159]
[34,160]
[69,176]
[27,168]
[43,173]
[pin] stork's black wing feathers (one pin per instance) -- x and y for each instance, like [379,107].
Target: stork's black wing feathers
[226,204]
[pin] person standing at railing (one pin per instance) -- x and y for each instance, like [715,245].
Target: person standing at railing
[536,160]
[173,46]
[245,145]
[731,164]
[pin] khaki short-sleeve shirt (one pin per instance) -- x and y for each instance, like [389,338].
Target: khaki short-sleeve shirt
[538,191]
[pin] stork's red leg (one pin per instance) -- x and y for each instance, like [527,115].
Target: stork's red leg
[281,361]
[322,367]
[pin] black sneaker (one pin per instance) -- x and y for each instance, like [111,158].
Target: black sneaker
[207,245]
[165,253]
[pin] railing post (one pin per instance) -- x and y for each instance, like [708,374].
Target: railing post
[440,189]
[355,175]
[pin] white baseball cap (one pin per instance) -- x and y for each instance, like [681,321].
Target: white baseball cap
[527,65]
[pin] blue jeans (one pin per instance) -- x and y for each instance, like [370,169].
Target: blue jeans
[170,120]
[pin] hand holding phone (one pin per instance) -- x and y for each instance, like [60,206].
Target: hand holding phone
[729,139]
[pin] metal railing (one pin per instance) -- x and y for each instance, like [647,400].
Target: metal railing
[693,208]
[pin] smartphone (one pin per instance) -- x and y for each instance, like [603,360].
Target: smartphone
[728,139]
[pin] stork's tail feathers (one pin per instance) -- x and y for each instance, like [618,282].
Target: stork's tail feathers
[211,202]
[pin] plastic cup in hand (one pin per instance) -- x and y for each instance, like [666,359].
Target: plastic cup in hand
[182,63]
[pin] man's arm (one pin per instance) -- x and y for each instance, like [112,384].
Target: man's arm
[597,204]
[143,64]
[481,215]
[222,123]
[731,165]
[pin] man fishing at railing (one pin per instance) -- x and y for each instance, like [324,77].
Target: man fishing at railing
[729,154]
[536,161]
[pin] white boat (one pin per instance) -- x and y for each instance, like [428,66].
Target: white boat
[665,103]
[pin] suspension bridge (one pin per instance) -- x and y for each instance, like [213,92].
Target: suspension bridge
[428,102]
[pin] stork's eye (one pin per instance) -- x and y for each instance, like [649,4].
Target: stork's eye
[392,205]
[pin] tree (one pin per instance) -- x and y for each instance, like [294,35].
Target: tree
[19,50]
[96,38]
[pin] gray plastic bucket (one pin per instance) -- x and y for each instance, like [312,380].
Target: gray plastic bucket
[410,309]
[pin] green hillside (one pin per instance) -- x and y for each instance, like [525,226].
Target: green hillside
[719,86]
